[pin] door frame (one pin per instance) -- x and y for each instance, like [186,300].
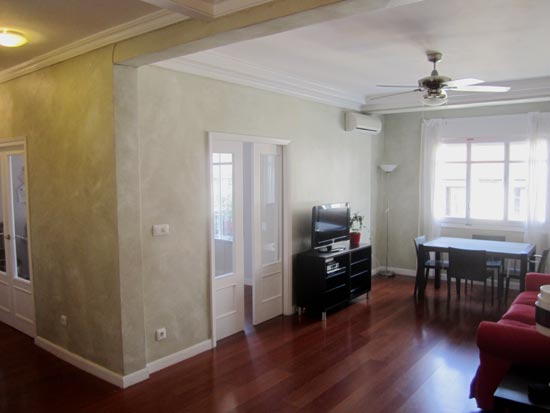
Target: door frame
[20,142]
[288,308]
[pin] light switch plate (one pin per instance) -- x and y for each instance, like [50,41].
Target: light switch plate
[160,230]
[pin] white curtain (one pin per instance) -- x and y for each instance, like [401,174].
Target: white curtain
[428,221]
[537,228]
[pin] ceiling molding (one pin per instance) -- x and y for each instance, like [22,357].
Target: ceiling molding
[144,24]
[209,9]
[216,65]
[365,109]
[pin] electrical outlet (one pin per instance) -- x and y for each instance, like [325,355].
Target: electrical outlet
[160,334]
[63,320]
[161,229]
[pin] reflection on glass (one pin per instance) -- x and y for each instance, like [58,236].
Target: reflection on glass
[487,191]
[17,169]
[488,152]
[452,152]
[519,151]
[451,191]
[222,200]
[517,193]
[270,209]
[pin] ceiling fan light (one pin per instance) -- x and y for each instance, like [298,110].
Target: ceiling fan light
[9,38]
[435,99]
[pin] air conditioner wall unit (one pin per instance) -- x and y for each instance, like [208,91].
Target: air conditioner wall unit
[367,123]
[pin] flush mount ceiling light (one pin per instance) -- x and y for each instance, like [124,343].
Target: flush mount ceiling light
[437,98]
[10,38]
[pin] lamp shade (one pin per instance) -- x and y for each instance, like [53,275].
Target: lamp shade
[388,167]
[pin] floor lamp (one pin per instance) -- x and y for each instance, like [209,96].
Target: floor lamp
[388,169]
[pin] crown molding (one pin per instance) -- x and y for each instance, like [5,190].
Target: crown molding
[144,24]
[208,9]
[229,69]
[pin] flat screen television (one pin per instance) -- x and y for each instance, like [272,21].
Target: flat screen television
[329,224]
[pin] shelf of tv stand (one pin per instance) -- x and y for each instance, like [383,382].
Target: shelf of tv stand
[319,291]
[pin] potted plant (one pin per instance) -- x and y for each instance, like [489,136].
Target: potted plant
[355,227]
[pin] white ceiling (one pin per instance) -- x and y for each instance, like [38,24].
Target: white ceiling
[51,24]
[341,61]
[60,29]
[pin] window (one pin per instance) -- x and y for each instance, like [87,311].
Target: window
[482,181]
[222,193]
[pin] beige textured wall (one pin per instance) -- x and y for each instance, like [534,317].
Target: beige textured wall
[402,146]
[129,216]
[66,112]
[176,112]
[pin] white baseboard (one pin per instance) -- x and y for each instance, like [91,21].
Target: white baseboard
[135,378]
[116,378]
[179,356]
[91,367]
[400,271]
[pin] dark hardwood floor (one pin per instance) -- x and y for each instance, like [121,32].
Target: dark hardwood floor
[388,355]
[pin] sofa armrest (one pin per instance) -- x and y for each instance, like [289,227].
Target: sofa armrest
[534,280]
[518,345]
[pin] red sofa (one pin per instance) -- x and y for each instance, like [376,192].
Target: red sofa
[512,340]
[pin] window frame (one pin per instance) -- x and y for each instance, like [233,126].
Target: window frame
[467,221]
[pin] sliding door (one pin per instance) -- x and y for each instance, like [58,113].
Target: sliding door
[16,301]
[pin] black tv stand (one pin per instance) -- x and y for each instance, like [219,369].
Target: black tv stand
[328,280]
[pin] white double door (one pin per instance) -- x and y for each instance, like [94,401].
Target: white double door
[247,232]
[16,301]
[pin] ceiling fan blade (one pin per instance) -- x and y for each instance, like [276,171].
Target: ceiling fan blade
[395,94]
[401,86]
[463,82]
[480,89]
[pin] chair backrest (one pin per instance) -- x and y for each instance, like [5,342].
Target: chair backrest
[467,264]
[417,242]
[542,263]
[489,237]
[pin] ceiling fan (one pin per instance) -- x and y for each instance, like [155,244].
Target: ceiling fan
[436,86]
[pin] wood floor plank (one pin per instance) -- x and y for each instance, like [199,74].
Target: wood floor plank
[387,354]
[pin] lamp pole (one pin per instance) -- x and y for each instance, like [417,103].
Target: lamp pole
[387,168]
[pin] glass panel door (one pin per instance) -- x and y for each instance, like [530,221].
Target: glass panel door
[267,287]
[19,208]
[16,301]
[227,237]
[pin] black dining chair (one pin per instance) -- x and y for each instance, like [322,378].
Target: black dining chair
[429,264]
[469,265]
[493,263]
[538,260]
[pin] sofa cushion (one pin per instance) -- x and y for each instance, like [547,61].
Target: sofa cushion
[523,313]
[517,324]
[527,298]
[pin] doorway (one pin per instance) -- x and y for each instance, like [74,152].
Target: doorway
[16,295]
[247,232]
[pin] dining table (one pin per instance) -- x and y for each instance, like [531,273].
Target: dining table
[520,251]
